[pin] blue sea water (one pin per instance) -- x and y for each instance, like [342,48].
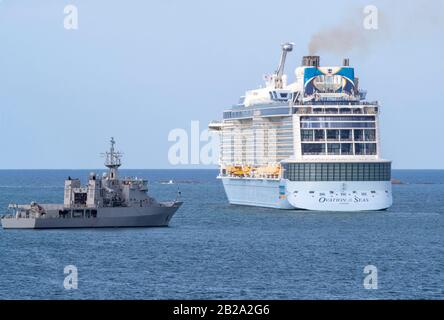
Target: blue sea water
[213,250]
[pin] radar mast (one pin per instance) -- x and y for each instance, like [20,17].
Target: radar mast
[113,160]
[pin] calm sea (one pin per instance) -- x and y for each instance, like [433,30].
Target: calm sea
[213,250]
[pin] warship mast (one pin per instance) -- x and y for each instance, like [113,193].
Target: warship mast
[113,161]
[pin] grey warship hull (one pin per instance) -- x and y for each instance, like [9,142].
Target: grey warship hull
[106,202]
[158,216]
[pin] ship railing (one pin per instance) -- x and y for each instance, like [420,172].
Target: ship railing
[28,216]
[312,110]
[337,102]
[259,177]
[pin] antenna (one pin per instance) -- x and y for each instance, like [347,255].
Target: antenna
[113,159]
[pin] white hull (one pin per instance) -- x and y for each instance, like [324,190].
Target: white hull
[318,196]
[256,192]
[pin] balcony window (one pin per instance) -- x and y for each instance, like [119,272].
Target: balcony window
[370,134]
[346,135]
[333,135]
[359,148]
[358,134]
[333,148]
[370,148]
[319,135]
[346,148]
[307,135]
[313,148]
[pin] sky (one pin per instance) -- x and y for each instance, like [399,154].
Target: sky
[136,70]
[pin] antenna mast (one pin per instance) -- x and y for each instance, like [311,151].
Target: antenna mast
[113,161]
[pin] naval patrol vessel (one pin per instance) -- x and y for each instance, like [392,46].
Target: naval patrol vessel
[106,201]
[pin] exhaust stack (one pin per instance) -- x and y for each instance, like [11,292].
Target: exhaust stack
[310,61]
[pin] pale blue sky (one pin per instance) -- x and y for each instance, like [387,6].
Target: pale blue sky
[137,69]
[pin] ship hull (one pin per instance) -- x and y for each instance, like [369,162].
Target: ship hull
[106,218]
[256,192]
[316,196]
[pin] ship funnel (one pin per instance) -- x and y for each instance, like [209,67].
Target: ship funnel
[346,62]
[310,61]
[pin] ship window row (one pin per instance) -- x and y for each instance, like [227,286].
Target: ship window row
[278,120]
[282,126]
[286,153]
[258,127]
[338,118]
[286,126]
[238,114]
[337,125]
[259,138]
[272,127]
[78,213]
[380,171]
[229,134]
[338,135]
[339,148]
[274,111]
[285,148]
[318,110]
[282,148]
[268,122]
[285,139]
[288,133]
[249,113]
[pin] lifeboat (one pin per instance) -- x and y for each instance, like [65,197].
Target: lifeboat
[239,170]
[268,171]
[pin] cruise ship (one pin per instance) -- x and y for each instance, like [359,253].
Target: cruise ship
[311,144]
